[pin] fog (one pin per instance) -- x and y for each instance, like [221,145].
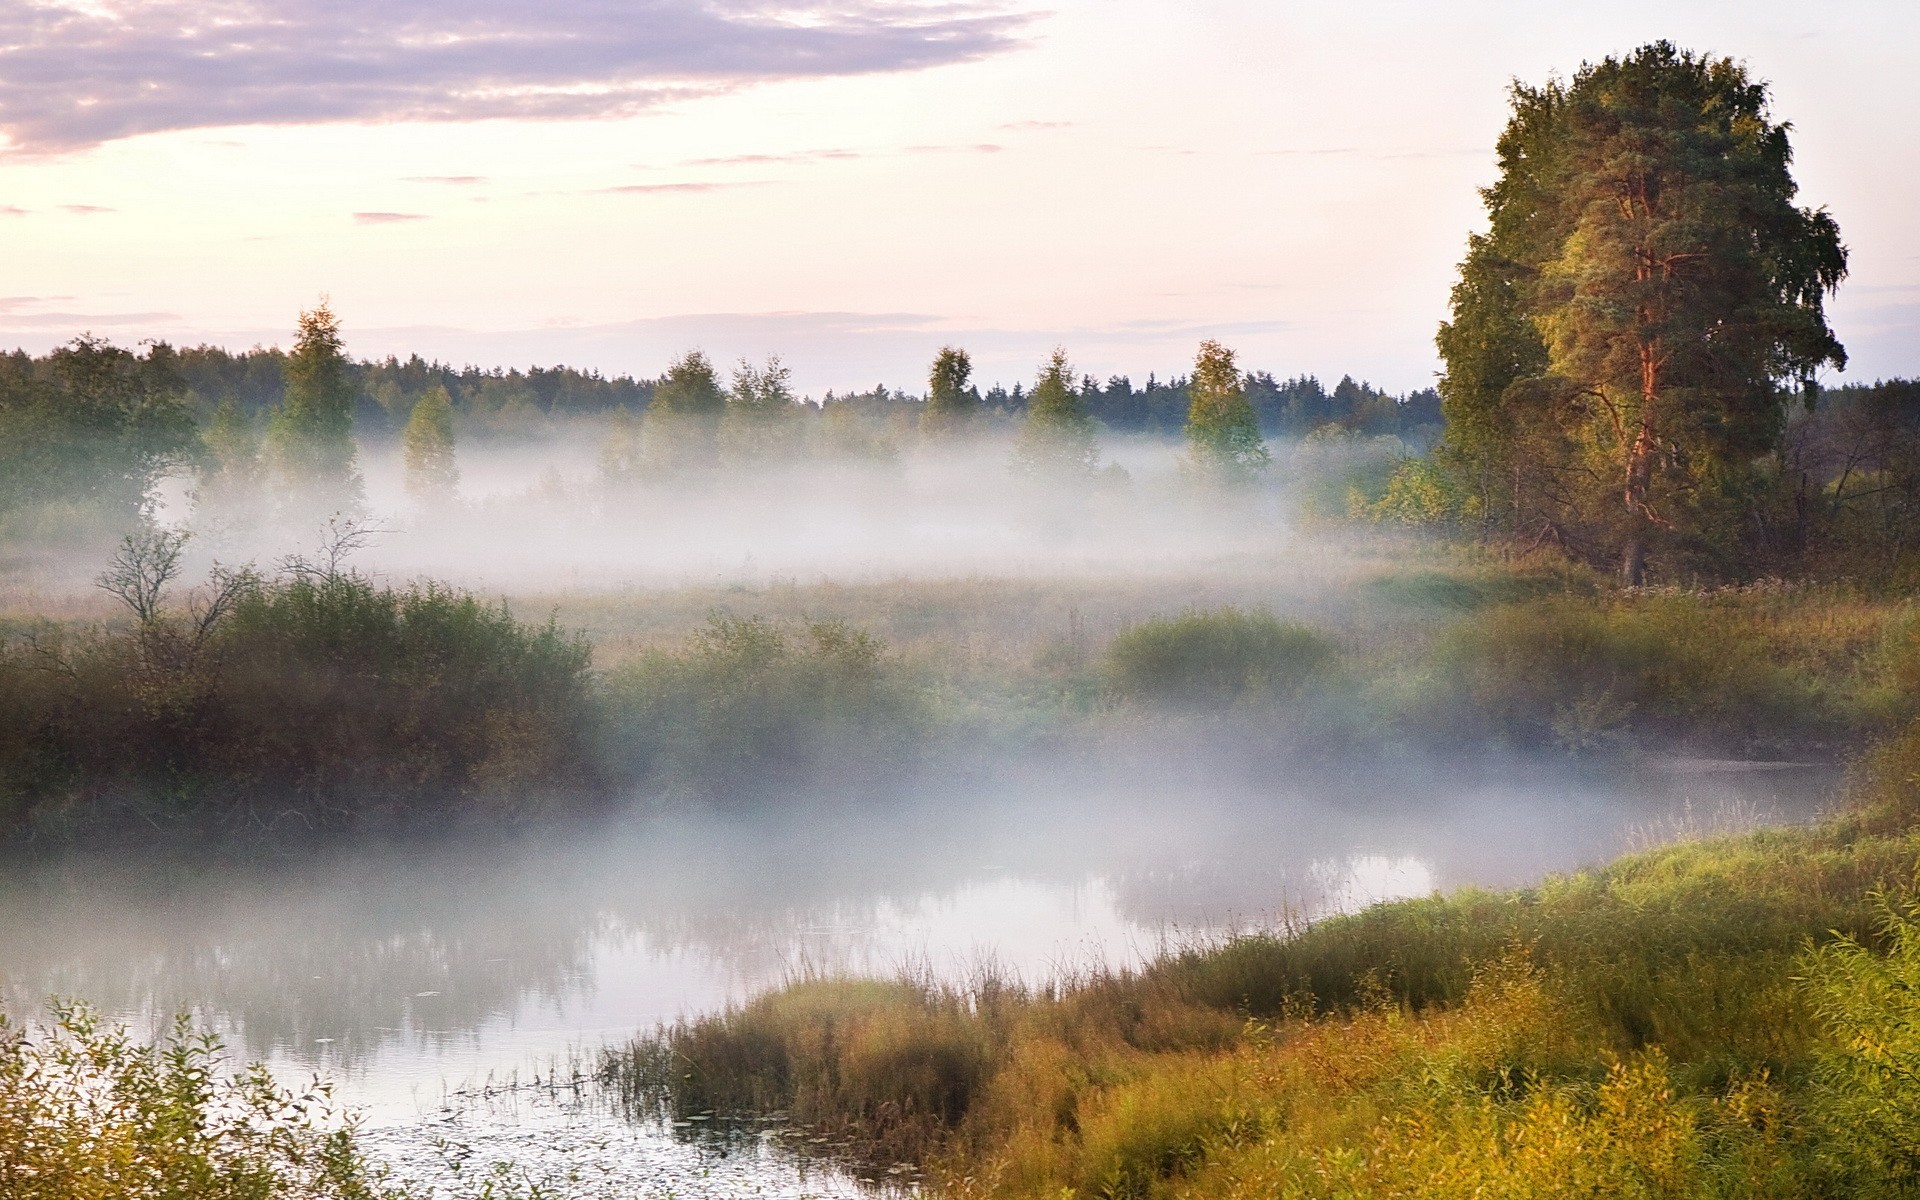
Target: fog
[541,515]
[402,967]
[416,969]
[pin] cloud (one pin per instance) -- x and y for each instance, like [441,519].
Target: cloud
[701,186]
[455,180]
[85,210]
[74,75]
[759,160]
[13,210]
[385,218]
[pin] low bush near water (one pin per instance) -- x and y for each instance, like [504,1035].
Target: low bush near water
[86,1113]
[1216,658]
[319,697]
[747,701]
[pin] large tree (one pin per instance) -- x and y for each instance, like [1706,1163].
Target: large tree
[427,446]
[683,419]
[1627,335]
[87,433]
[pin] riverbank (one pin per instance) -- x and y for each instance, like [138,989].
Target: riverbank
[319,706]
[1722,1016]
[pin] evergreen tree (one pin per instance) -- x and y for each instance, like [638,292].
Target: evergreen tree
[1623,335]
[952,404]
[1058,436]
[433,476]
[1221,429]
[311,434]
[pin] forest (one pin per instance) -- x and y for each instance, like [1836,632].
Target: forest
[266,601]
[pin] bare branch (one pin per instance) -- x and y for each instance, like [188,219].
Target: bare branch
[340,540]
[140,570]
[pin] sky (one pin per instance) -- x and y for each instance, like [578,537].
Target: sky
[851,185]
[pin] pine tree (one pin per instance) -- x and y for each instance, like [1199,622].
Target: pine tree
[1624,335]
[1221,428]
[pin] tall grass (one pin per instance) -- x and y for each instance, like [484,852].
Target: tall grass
[1722,1017]
[1215,658]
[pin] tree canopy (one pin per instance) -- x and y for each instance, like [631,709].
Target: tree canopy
[312,433]
[1627,335]
[1221,427]
[1058,436]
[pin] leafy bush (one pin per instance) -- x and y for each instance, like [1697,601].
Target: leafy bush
[85,1113]
[1588,676]
[1216,658]
[318,697]
[750,702]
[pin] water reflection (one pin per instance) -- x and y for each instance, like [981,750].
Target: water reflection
[407,969]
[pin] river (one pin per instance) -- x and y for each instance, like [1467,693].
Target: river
[433,980]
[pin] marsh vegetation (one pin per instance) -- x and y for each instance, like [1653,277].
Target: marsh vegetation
[695,669]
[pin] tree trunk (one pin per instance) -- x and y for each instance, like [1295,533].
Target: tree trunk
[1633,560]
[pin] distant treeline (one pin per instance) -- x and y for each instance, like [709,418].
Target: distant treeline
[512,399]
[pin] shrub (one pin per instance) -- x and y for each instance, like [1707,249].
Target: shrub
[318,696]
[87,1113]
[1216,658]
[748,701]
[1585,676]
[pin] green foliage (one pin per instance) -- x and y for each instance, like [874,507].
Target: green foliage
[1423,494]
[1221,429]
[952,402]
[1057,440]
[86,1113]
[748,700]
[761,414]
[311,434]
[85,435]
[433,477]
[1869,1096]
[1213,658]
[683,422]
[1663,668]
[317,698]
[1620,336]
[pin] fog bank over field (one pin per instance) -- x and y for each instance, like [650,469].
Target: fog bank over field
[542,516]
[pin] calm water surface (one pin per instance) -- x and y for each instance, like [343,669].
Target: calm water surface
[426,979]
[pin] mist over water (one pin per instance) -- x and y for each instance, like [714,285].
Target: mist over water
[405,969]
[426,975]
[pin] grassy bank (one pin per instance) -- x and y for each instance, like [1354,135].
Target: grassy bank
[1727,1017]
[318,697]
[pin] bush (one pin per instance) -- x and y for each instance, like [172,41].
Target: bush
[1586,676]
[1216,658]
[318,697]
[749,702]
[86,1112]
